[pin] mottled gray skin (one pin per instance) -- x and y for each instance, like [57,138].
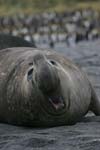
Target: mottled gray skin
[7,41]
[30,77]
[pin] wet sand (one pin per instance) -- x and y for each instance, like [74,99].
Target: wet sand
[85,135]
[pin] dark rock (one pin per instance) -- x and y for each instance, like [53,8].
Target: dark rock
[7,41]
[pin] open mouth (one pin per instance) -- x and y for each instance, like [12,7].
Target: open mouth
[57,102]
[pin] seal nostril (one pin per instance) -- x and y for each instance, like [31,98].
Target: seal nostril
[29,75]
[52,62]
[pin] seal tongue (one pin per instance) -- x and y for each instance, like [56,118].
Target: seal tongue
[57,102]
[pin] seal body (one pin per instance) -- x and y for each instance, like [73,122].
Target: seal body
[43,88]
[7,41]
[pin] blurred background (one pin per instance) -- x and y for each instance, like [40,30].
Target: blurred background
[48,23]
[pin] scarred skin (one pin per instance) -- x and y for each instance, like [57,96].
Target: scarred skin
[42,88]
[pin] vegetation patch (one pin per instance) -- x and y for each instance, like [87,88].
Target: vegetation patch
[9,7]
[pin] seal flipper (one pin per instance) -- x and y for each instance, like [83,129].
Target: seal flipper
[95,103]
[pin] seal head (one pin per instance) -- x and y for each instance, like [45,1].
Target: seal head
[48,81]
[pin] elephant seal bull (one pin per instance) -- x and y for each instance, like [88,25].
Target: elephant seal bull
[43,88]
[7,41]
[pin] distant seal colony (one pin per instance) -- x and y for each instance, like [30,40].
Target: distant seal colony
[43,88]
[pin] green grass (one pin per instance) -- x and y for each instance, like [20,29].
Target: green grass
[10,7]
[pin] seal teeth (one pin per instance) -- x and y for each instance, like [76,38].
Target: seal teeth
[57,102]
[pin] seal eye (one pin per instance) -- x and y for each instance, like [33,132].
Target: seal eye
[29,75]
[30,63]
[52,62]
